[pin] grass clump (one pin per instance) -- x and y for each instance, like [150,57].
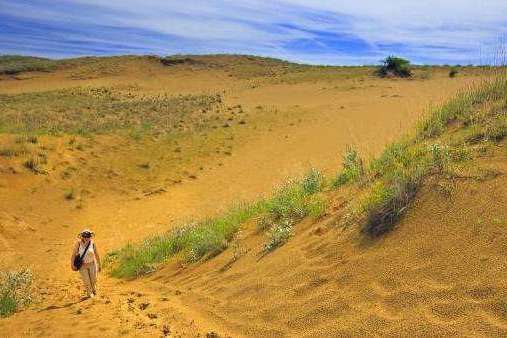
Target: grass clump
[388,200]
[13,151]
[69,194]
[26,139]
[292,202]
[353,168]
[393,66]
[36,163]
[15,291]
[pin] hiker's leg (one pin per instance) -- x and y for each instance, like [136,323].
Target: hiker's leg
[92,270]
[85,276]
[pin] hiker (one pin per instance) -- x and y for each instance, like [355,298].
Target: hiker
[86,259]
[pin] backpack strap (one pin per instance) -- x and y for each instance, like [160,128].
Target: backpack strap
[86,249]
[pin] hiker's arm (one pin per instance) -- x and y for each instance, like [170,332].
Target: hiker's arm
[74,252]
[97,257]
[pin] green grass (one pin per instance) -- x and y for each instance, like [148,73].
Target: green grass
[394,66]
[15,291]
[201,240]
[462,107]
[193,241]
[101,110]
[15,64]
[353,168]
[395,177]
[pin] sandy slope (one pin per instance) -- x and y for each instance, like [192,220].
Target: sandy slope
[312,286]
[441,273]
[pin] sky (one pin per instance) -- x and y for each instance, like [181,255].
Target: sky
[338,32]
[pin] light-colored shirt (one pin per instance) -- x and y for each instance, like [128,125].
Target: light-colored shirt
[90,253]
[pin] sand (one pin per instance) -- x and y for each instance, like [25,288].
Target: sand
[420,280]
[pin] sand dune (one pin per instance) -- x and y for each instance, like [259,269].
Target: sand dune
[440,274]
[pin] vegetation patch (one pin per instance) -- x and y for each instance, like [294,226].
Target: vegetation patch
[453,72]
[397,174]
[15,291]
[463,108]
[101,110]
[15,64]
[205,239]
[393,66]
[353,168]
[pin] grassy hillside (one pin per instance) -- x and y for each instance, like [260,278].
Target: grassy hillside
[15,64]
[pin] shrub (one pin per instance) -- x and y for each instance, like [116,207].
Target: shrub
[453,72]
[394,66]
[15,291]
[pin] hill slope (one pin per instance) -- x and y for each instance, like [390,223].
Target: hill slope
[440,273]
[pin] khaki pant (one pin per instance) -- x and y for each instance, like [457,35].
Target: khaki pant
[88,273]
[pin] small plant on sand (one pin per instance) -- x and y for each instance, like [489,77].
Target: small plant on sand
[32,164]
[15,291]
[353,168]
[278,235]
[453,72]
[394,66]
[387,201]
[440,155]
[312,182]
[69,194]
[26,138]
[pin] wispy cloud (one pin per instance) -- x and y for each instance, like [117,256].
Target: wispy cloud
[330,32]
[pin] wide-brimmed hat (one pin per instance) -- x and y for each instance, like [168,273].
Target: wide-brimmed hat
[86,233]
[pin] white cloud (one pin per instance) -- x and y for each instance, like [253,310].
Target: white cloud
[451,29]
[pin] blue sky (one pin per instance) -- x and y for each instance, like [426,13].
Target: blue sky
[319,32]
